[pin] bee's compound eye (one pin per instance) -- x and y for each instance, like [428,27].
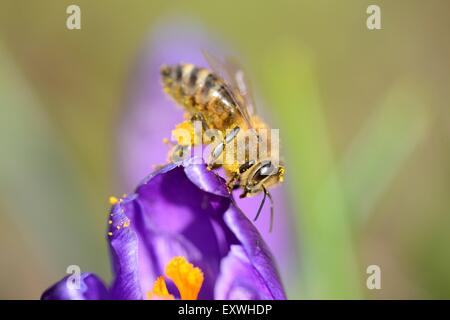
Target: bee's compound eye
[267,169]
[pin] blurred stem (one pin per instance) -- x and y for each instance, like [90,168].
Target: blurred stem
[44,190]
[330,269]
[378,152]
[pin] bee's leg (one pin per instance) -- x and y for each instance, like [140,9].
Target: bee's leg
[218,150]
[200,117]
[206,138]
[232,134]
[243,194]
[215,154]
[231,184]
[170,153]
[212,166]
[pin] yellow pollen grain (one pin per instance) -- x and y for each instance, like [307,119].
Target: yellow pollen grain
[113,200]
[109,221]
[109,233]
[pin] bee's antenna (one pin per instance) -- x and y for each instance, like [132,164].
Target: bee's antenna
[261,205]
[272,211]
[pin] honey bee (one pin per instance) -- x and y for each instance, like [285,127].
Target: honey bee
[221,100]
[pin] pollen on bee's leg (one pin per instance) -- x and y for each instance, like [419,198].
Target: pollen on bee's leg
[187,278]
[159,291]
[281,174]
[184,134]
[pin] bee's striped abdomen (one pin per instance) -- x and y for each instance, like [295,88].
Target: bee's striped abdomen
[192,78]
[199,90]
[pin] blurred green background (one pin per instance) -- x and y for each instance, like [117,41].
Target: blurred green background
[364,115]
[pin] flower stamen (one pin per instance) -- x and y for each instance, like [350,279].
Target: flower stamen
[159,291]
[187,278]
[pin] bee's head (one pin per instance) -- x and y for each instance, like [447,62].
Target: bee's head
[262,175]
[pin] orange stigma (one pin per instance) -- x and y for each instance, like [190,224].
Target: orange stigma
[160,291]
[187,278]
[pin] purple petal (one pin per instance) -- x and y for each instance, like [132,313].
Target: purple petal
[256,249]
[124,245]
[281,240]
[198,174]
[90,287]
[239,280]
[178,218]
[169,216]
[178,211]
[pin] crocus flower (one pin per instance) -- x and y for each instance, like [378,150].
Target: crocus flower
[180,235]
[149,115]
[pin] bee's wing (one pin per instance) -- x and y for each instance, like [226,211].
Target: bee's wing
[241,82]
[233,75]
